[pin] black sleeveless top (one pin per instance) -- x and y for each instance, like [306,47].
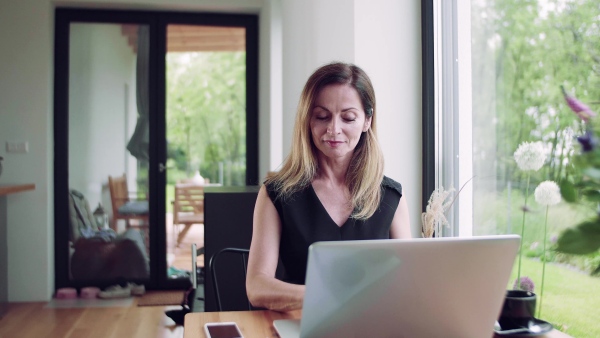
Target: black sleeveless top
[304,221]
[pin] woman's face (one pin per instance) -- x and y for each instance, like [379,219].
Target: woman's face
[337,121]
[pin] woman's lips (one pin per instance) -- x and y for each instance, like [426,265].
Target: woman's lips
[334,143]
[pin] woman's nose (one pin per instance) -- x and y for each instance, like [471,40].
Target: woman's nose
[333,127]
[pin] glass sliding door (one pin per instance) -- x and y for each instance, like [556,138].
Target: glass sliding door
[108,152]
[206,128]
[143,101]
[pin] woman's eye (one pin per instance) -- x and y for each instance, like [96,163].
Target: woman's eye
[349,119]
[321,117]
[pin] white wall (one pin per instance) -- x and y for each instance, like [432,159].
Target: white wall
[270,94]
[102,109]
[312,33]
[384,38]
[389,50]
[25,115]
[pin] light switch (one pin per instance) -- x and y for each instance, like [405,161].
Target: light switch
[17,147]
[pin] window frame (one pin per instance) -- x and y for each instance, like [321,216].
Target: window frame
[447,109]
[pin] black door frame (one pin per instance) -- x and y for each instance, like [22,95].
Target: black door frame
[157,21]
[428,101]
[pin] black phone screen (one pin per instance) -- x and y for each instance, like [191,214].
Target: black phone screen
[223,331]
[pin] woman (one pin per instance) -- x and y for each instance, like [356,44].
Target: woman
[331,187]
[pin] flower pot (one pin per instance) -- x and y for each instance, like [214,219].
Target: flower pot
[518,309]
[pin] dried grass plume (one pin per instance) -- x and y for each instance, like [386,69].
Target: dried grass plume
[434,212]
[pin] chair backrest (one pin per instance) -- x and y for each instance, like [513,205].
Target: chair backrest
[118,191]
[189,201]
[234,287]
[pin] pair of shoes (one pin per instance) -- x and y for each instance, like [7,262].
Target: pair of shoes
[136,290]
[89,292]
[118,291]
[66,293]
[115,291]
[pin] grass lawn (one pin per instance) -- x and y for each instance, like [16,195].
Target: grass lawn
[571,299]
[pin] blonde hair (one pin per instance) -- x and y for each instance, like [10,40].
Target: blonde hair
[365,171]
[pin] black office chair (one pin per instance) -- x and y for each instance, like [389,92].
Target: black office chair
[236,287]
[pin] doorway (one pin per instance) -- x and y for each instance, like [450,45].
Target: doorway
[149,100]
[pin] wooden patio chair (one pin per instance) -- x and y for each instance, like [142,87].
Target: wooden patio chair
[126,205]
[188,208]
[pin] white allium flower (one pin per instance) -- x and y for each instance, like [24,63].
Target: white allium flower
[547,193]
[434,212]
[530,156]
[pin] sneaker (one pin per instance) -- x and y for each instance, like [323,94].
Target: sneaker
[115,291]
[136,290]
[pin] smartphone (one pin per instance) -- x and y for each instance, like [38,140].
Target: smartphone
[222,330]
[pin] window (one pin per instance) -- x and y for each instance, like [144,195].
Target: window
[492,75]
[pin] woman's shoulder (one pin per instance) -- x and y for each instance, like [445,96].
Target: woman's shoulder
[389,183]
[271,189]
[275,191]
[269,185]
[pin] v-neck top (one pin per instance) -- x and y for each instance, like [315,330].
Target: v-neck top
[304,220]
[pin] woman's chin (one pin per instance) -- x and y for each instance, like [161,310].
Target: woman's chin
[336,154]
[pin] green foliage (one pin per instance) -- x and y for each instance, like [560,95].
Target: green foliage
[535,46]
[522,52]
[582,239]
[206,112]
[502,215]
[568,191]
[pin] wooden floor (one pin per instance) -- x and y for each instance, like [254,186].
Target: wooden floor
[182,255]
[35,321]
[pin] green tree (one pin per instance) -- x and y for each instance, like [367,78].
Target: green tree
[536,46]
[206,95]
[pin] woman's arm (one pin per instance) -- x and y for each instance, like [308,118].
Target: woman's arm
[400,227]
[263,289]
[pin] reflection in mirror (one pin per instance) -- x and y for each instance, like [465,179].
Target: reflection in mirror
[108,152]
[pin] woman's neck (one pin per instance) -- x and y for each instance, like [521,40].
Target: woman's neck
[333,171]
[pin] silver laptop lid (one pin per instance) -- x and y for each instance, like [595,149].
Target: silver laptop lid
[441,287]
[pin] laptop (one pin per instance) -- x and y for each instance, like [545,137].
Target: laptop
[422,287]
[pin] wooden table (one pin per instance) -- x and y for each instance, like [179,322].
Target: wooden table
[260,323]
[14,188]
[251,323]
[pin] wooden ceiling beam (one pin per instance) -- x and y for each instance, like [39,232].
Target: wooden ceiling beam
[207,48]
[189,38]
